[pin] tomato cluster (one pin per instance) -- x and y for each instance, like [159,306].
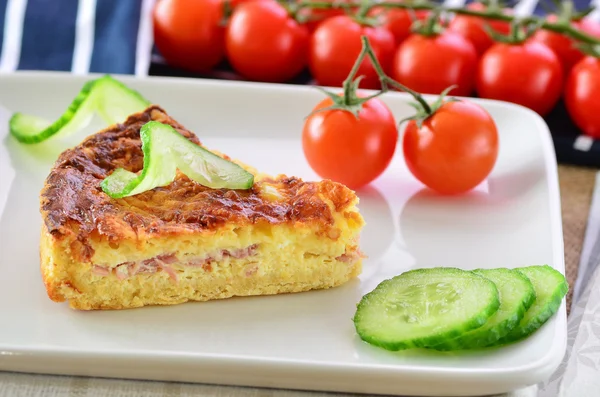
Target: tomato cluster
[452,151]
[266,40]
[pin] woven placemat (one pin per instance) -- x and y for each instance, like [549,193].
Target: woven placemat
[576,187]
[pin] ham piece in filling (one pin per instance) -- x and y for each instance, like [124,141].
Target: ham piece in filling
[350,257]
[163,262]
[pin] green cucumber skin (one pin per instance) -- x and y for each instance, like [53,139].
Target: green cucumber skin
[149,165]
[146,148]
[480,338]
[83,95]
[561,288]
[144,103]
[62,121]
[473,323]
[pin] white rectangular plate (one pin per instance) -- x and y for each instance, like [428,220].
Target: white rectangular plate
[306,340]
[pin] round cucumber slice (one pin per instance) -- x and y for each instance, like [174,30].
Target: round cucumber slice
[516,297]
[550,288]
[425,307]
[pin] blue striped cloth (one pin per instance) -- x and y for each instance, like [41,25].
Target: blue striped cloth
[104,36]
[115,36]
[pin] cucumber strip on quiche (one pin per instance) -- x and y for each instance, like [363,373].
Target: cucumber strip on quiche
[516,297]
[165,151]
[550,289]
[111,99]
[425,307]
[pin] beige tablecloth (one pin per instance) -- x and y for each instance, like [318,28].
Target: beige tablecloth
[574,378]
[576,186]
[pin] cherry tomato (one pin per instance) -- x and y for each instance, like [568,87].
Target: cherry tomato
[472,28]
[188,33]
[454,150]
[314,16]
[430,64]
[234,3]
[335,46]
[397,20]
[264,43]
[347,149]
[528,74]
[581,95]
[589,26]
[563,46]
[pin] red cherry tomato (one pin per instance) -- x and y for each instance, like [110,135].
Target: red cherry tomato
[563,46]
[234,3]
[264,43]
[582,100]
[430,64]
[347,149]
[335,46]
[454,150]
[398,21]
[528,74]
[188,33]
[589,26]
[314,16]
[473,28]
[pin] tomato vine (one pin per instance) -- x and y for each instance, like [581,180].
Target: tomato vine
[561,25]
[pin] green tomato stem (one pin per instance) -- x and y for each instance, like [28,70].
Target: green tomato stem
[386,80]
[492,13]
[348,84]
[364,9]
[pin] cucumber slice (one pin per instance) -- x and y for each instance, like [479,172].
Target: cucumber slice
[516,296]
[425,307]
[116,102]
[110,98]
[165,151]
[550,289]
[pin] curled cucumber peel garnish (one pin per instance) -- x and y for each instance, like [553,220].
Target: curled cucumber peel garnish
[107,97]
[165,151]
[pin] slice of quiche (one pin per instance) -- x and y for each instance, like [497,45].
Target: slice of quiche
[186,242]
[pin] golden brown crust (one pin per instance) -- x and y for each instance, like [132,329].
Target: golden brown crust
[74,205]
